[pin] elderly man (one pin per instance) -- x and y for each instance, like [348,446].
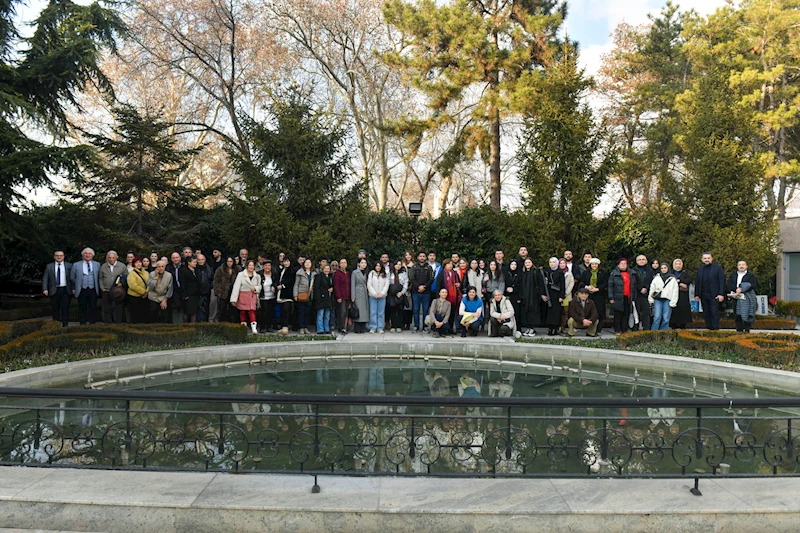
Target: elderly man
[159,292]
[55,285]
[109,273]
[86,286]
[583,314]
[175,303]
[205,283]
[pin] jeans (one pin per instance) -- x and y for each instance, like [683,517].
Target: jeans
[421,303]
[324,320]
[661,314]
[377,313]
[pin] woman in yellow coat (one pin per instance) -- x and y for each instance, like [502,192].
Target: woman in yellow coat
[137,292]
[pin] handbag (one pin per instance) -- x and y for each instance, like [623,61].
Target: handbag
[302,296]
[353,312]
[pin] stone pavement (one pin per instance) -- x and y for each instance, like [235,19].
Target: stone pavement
[117,501]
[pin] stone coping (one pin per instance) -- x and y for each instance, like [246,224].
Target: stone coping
[66,374]
[124,501]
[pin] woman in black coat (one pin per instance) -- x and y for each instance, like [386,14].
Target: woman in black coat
[531,289]
[596,281]
[512,291]
[190,289]
[682,314]
[555,291]
[623,286]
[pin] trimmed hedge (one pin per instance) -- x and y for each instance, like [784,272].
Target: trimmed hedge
[760,349]
[787,308]
[762,322]
[50,337]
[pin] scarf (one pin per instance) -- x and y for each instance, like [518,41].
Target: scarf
[593,278]
[450,285]
[626,284]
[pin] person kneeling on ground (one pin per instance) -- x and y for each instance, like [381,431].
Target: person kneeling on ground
[583,314]
[471,313]
[502,322]
[439,315]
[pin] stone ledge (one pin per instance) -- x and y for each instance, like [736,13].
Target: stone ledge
[116,501]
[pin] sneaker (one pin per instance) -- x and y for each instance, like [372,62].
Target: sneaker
[372,331]
[517,334]
[379,331]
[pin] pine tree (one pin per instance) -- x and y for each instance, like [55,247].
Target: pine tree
[139,166]
[496,47]
[565,158]
[40,76]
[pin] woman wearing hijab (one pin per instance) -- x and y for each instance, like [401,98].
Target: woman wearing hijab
[569,282]
[530,297]
[682,313]
[555,289]
[595,280]
[512,289]
[663,296]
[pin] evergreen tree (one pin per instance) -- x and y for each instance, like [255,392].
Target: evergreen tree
[565,159]
[294,190]
[139,166]
[40,76]
[496,47]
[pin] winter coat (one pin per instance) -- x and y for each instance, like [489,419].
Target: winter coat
[668,289]
[505,309]
[341,285]
[682,314]
[205,279]
[709,281]
[323,299]
[302,283]
[616,289]
[285,278]
[420,275]
[555,289]
[137,283]
[599,297]
[491,285]
[474,279]
[394,288]
[441,308]
[530,288]
[579,312]
[646,277]
[377,285]
[244,295]
[359,294]
[745,308]
[223,282]
[190,289]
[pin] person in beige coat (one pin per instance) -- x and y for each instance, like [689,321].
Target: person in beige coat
[502,321]
[244,295]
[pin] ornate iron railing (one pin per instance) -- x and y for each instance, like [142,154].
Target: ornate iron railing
[380,435]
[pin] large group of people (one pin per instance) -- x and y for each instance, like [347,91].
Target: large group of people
[458,295]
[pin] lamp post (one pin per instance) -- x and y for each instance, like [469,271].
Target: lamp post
[415,210]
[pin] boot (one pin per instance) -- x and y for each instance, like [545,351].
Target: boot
[243,324]
[254,328]
[283,331]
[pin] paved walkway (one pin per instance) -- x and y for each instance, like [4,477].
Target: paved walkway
[117,501]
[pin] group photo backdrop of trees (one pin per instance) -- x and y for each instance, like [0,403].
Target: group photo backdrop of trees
[308,126]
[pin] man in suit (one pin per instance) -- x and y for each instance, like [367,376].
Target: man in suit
[85,283]
[113,269]
[175,303]
[709,289]
[55,285]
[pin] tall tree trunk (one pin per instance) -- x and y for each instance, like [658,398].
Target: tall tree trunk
[494,159]
[139,213]
[447,182]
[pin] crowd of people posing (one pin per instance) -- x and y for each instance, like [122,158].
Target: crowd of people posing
[457,295]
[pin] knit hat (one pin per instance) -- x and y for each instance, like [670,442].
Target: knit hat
[594,260]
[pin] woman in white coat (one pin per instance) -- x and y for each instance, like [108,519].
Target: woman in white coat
[664,292]
[244,295]
[377,288]
[501,314]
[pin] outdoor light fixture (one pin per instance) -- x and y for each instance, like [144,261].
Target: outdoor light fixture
[415,208]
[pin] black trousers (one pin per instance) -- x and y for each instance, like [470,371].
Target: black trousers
[87,306]
[59,302]
[741,325]
[112,311]
[396,316]
[287,314]
[156,314]
[139,309]
[621,317]
[710,311]
[266,314]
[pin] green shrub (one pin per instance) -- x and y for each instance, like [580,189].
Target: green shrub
[787,308]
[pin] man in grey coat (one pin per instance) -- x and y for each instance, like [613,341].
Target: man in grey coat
[85,283]
[55,285]
[109,272]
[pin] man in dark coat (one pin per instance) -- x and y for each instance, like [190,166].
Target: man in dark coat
[598,290]
[582,314]
[175,304]
[205,281]
[55,285]
[646,274]
[709,289]
[420,277]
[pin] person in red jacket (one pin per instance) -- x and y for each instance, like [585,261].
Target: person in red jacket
[341,292]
